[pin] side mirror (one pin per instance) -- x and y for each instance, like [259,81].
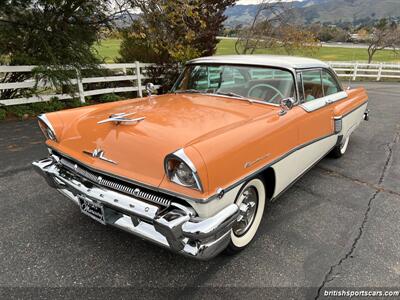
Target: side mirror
[286,105]
[150,88]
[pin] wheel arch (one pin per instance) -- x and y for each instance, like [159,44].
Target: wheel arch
[268,177]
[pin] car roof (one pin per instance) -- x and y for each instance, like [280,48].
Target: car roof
[287,62]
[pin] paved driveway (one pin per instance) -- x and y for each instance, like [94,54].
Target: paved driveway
[337,226]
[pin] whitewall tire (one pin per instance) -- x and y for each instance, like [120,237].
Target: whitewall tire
[251,202]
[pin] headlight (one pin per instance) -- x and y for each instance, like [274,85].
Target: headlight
[47,128]
[180,169]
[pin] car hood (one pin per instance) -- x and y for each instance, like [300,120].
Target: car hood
[171,122]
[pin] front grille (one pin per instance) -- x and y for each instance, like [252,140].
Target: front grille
[116,184]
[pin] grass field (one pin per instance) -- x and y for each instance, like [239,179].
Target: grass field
[108,50]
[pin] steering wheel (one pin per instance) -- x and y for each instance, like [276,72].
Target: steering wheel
[265,87]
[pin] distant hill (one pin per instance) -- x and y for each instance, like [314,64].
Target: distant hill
[332,11]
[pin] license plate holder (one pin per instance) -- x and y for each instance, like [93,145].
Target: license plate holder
[92,209]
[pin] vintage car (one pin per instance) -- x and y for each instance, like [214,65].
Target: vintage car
[192,170]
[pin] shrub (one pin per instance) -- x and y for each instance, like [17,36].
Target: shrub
[108,98]
[3,114]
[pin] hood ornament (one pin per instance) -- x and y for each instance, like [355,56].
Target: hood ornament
[98,153]
[122,118]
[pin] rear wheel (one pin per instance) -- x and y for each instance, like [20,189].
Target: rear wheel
[251,202]
[340,149]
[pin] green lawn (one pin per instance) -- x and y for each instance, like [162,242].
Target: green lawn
[108,50]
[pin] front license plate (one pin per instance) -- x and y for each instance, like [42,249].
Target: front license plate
[92,209]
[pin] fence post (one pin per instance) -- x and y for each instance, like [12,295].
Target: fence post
[80,86]
[380,72]
[355,71]
[139,79]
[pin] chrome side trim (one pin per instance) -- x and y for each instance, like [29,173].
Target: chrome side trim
[249,176]
[322,102]
[199,200]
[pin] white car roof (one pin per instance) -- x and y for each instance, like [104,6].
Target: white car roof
[287,62]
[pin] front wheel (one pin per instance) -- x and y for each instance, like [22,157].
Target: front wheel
[340,149]
[251,202]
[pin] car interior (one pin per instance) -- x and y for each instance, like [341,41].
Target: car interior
[264,84]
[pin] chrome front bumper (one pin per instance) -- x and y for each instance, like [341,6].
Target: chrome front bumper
[176,227]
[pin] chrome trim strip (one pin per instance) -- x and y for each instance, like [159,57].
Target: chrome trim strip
[113,185]
[201,200]
[45,120]
[249,176]
[278,159]
[180,154]
[322,102]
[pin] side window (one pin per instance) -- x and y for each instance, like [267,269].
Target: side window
[330,84]
[312,85]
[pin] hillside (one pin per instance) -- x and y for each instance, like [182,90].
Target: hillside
[332,11]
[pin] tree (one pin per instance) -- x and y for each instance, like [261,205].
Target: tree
[384,35]
[269,16]
[295,40]
[56,35]
[211,15]
[170,33]
[271,28]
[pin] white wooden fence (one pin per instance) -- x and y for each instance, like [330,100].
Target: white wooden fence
[376,71]
[133,74]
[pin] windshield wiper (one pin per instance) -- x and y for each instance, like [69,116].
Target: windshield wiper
[189,91]
[231,94]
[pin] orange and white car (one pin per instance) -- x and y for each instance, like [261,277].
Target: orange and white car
[192,170]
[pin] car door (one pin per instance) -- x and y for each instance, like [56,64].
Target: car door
[316,125]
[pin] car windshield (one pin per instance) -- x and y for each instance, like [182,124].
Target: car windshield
[266,84]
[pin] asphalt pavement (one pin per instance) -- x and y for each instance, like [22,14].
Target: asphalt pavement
[338,226]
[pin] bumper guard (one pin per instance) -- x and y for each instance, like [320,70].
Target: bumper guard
[177,228]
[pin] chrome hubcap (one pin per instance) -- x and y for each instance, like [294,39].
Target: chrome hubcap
[248,209]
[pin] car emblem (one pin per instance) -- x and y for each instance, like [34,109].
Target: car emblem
[98,153]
